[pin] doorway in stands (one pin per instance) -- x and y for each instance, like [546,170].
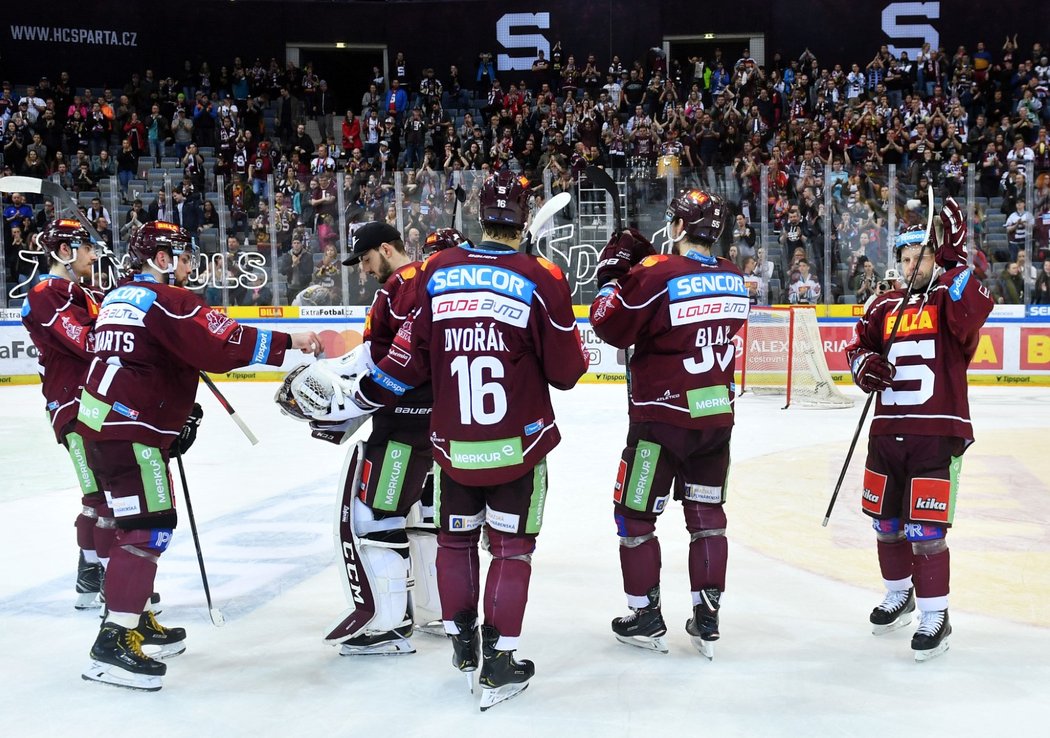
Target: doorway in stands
[347,68]
[711,46]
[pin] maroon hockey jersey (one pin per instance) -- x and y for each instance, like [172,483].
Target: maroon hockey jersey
[494,328]
[681,313]
[151,340]
[392,305]
[59,314]
[933,347]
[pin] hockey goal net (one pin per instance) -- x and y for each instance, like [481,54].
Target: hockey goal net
[784,355]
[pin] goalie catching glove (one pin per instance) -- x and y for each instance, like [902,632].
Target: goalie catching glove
[872,372]
[623,251]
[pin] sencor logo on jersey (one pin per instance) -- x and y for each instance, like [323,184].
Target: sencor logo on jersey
[914,322]
[481,305]
[481,277]
[703,285]
[137,296]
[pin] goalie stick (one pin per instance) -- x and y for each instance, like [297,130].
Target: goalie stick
[885,350]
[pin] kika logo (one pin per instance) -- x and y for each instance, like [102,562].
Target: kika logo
[930,503]
[914,322]
[871,496]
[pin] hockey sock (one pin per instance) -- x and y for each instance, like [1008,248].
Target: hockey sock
[931,575]
[708,557]
[708,547]
[639,556]
[102,538]
[895,559]
[507,582]
[85,532]
[131,571]
[91,557]
[458,573]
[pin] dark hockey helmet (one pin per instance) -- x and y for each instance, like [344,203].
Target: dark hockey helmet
[157,236]
[504,200]
[443,238]
[702,213]
[911,237]
[63,231]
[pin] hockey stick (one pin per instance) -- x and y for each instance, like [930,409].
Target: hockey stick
[461,197]
[229,409]
[549,209]
[601,178]
[217,618]
[47,188]
[885,351]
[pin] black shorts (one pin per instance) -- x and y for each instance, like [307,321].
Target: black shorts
[515,507]
[914,478]
[136,481]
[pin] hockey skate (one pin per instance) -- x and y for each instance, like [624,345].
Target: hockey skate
[117,659]
[895,611]
[644,627]
[931,638]
[502,677]
[703,626]
[389,643]
[159,642]
[89,585]
[466,645]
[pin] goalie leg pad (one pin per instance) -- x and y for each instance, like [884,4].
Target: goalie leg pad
[426,599]
[386,565]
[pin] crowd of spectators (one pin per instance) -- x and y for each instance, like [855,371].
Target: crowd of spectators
[934,117]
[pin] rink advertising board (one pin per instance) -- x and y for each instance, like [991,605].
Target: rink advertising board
[1014,347]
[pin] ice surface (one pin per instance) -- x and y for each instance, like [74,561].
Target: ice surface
[796,656]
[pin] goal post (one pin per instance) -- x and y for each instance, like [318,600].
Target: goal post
[784,355]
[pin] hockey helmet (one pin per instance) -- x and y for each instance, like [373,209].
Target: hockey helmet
[157,236]
[504,200]
[63,231]
[702,213]
[911,237]
[443,238]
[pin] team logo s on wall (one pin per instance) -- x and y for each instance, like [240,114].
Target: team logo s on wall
[528,45]
[893,25]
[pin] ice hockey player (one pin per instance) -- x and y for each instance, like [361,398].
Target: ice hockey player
[151,339]
[680,311]
[921,425]
[393,500]
[493,331]
[59,313]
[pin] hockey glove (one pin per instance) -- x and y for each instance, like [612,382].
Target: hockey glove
[321,393]
[623,251]
[188,434]
[873,373]
[951,246]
